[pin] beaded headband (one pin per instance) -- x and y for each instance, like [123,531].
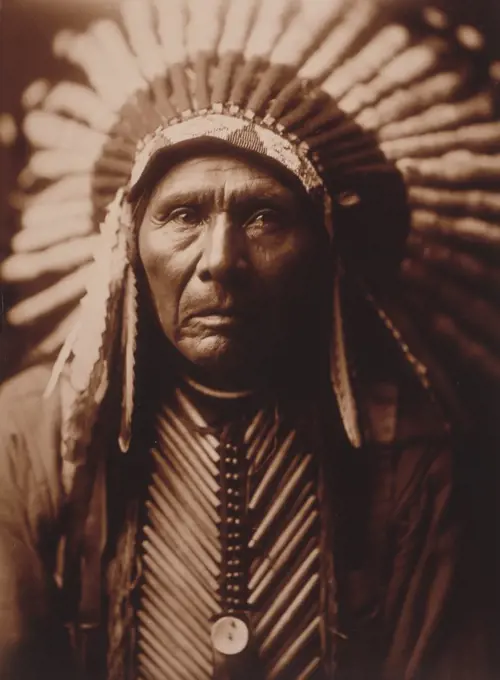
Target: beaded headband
[241,133]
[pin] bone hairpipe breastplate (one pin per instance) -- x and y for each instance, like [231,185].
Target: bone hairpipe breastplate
[232,563]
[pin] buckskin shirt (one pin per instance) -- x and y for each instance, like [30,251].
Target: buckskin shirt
[395,547]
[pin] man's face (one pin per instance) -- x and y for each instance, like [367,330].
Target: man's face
[231,261]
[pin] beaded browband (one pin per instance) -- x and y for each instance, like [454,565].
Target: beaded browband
[239,129]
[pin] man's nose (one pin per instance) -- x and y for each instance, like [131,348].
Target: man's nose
[223,253]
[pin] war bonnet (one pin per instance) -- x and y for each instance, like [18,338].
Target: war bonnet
[378,122]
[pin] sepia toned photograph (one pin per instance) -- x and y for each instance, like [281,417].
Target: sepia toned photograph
[249,339]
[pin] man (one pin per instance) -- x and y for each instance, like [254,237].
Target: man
[234,264]
[206,491]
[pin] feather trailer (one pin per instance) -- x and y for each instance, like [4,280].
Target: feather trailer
[341,378]
[129,337]
[91,351]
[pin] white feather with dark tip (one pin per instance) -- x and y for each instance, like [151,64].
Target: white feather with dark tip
[204,26]
[270,20]
[172,20]
[85,51]
[398,105]
[139,19]
[441,116]
[118,55]
[366,63]
[53,164]
[81,103]
[237,25]
[30,264]
[407,67]
[305,27]
[68,290]
[358,15]
[48,130]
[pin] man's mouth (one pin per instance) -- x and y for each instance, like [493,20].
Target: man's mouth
[226,311]
[217,317]
[218,321]
[217,311]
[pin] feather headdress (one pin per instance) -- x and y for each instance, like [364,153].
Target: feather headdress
[374,119]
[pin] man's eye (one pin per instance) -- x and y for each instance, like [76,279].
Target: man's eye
[186,216]
[265,221]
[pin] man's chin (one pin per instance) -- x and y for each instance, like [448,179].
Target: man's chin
[217,355]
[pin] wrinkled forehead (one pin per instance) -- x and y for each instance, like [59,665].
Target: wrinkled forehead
[211,168]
